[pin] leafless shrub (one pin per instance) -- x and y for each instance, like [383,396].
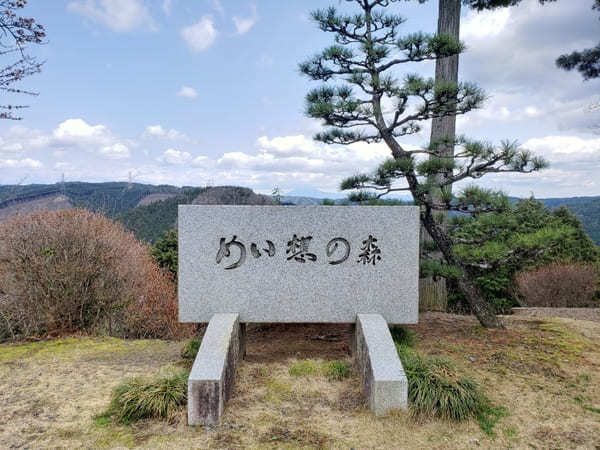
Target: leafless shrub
[70,271]
[558,285]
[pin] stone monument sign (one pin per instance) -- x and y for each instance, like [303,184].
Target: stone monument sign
[323,264]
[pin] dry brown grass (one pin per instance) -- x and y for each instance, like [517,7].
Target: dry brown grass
[544,372]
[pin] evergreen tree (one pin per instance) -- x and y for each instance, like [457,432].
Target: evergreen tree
[367,49]
[165,251]
[526,235]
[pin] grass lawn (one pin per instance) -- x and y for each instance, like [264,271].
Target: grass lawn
[544,372]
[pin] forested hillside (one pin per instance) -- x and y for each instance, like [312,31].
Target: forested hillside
[586,208]
[148,222]
[120,200]
[108,198]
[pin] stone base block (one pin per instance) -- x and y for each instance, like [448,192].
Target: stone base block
[384,381]
[212,376]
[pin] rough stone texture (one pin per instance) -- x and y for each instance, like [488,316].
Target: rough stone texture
[275,289]
[213,373]
[384,382]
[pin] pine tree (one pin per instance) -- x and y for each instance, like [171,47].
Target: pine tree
[367,50]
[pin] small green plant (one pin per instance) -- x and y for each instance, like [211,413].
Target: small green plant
[337,370]
[584,377]
[581,402]
[136,399]
[190,349]
[302,368]
[436,390]
[403,336]
[489,416]
[102,420]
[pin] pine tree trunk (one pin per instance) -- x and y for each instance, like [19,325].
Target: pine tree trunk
[479,306]
[446,69]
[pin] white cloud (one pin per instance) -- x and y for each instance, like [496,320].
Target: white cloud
[79,134]
[20,163]
[201,161]
[187,92]
[200,35]
[511,54]
[175,157]
[288,160]
[13,147]
[566,149]
[118,15]
[484,24]
[78,128]
[160,132]
[574,166]
[298,145]
[115,151]
[244,24]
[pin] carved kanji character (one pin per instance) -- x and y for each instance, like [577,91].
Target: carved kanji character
[298,249]
[370,251]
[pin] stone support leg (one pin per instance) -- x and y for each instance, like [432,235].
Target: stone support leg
[384,381]
[213,373]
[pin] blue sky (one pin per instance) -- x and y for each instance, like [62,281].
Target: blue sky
[208,92]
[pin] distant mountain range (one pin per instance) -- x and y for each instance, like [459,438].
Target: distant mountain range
[148,210]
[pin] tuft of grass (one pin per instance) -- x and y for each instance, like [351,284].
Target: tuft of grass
[136,399]
[190,349]
[436,390]
[302,368]
[337,370]
[403,336]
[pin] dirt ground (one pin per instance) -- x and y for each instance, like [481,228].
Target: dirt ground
[545,372]
[592,314]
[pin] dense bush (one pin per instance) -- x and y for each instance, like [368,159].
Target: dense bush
[558,285]
[527,235]
[71,271]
